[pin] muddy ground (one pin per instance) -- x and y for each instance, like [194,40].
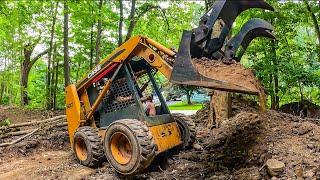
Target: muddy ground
[237,150]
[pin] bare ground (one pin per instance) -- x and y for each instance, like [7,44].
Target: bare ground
[237,150]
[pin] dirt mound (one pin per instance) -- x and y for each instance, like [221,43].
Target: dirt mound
[239,103]
[240,148]
[303,108]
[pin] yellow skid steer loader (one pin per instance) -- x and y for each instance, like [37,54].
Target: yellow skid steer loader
[107,113]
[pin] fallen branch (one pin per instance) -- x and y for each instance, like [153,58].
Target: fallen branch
[19,139]
[16,133]
[33,122]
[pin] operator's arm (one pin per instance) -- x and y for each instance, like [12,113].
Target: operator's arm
[123,99]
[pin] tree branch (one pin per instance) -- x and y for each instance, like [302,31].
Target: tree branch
[38,56]
[152,7]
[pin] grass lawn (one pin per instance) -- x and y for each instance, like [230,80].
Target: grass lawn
[185,106]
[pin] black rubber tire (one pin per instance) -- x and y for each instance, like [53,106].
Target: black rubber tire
[93,144]
[143,148]
[187,130]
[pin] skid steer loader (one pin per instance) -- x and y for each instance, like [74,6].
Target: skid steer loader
[105,113]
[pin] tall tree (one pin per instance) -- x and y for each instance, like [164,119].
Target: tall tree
[132,19]
[91,37]
[315,24]
[65,44]
[26,66]
[99,30]
[120,23]
[48,88]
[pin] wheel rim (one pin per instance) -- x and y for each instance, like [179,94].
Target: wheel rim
[121,148]
[81,149]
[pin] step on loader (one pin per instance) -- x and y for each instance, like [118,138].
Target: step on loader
[107,111]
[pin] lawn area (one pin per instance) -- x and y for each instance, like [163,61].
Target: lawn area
[185,106]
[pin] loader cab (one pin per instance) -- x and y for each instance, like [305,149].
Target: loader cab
[134,81]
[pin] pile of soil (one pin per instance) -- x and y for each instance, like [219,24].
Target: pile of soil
[303,108]
[239,103]
[240,148]
[234,73]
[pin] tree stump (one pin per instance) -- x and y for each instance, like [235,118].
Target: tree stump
[220,105]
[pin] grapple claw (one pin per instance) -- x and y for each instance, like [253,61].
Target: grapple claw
[251,29]
[227,10]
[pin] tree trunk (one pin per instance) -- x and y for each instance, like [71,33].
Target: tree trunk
[54,75]
[221,102]
[24,74]
[120,23]
[24,85]
[315,24]
[91,42]
[132,19]
[211,116]
[65,45]
[2,89]
[48,88]
[271,86]
[189,98]
[55,85]
[275,76]
[25,70]
[98,39]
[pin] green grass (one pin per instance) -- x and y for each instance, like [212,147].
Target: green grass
[185,106]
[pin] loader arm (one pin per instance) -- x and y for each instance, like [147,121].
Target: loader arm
[153,53]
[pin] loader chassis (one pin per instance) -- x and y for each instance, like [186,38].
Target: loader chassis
[94,104]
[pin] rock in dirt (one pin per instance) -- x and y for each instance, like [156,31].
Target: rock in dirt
[274,167]
[299,171]
[197,146]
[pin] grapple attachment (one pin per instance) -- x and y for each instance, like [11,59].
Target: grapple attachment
[200,43]
[184,72]
[227,10]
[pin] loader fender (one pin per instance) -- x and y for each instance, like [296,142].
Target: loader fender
[166,136]
[72,110]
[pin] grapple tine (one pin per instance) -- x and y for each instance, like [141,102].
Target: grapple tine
[185,73]
[251,29]
[227,10]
